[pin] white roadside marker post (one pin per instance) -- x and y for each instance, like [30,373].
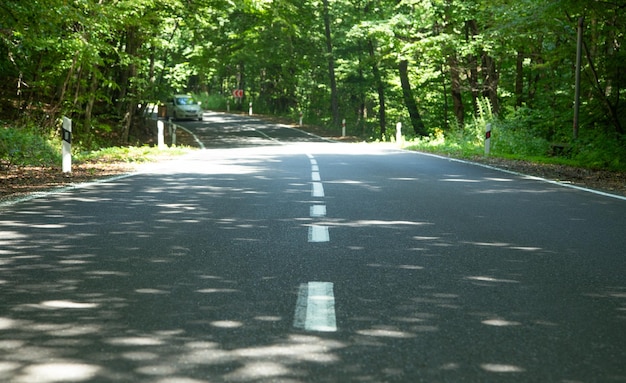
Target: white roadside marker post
[67,145]
[161,134]
[343,127]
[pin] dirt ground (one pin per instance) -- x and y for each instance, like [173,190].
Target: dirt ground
[602,180]
[16,182]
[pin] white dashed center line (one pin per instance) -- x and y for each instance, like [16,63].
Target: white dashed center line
[318,190]
[318,233]
[318,211]
[315,307]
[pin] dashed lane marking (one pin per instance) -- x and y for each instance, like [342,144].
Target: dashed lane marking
[318,211]
[318,233]
[315,307]
[318,189]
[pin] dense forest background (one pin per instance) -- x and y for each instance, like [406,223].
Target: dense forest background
[444,68]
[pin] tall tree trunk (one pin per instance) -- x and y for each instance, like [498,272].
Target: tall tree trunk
[488,72]
[519,79]
[130,97]
[446,120]
[66,83]
[151,74]
[452,60]
[611,108]
[490,82]
[93,86]
[334,99]
[380,86]
[409,101]
[471,30]
[455,89]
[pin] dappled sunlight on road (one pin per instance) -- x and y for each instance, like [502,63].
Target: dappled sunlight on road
[190,278]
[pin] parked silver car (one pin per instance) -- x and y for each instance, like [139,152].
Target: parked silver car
[184,106]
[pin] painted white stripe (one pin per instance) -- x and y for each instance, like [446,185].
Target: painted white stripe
[313,161]
[526,176]
[267,136]
[315,168]
[318,189]
[318,233]
[200,144]
[318,211]
[315,307]
[315,176]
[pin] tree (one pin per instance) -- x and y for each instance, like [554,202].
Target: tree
[334,103]
[102,61]
[409,101]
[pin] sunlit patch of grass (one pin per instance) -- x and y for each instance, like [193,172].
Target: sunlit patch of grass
[131,154]
[439,143]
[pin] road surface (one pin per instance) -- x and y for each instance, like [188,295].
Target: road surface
[275,256]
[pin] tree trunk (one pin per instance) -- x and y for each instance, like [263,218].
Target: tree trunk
[488,72]
[455,90]
[471,28]
[519,79]
[611,108]
[66,83]
[129,100]
[490,82]
[380,86]
[93,86]
[409,101]
[334,99]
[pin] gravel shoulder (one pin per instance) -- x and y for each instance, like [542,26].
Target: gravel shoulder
[601,180]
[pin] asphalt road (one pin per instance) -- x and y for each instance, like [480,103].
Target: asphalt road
[274,256]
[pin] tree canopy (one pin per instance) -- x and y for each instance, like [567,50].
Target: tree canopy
[436,65]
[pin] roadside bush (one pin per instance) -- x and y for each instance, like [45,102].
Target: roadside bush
[212,101]
[600,150]
[518,142]
[23,147]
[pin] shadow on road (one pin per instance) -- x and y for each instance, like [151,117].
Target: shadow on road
[184,276]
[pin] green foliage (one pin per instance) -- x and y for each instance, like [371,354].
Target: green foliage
[23,147]
[214,101]
[598,150]
[134,154]
[517,142]
[455,142]
[521,133]
[470,63]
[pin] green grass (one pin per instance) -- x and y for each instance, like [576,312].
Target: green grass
[23,147]
[27,147]
[130,154]
[589,151]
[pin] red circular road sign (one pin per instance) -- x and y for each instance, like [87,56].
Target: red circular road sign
[238,93]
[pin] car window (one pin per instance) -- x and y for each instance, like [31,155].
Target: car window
[185,101]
